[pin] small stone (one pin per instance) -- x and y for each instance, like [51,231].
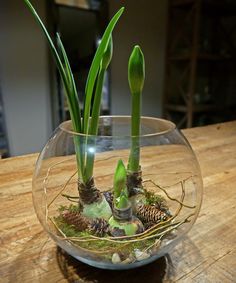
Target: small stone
[141,255]
[115,258]
[127,261]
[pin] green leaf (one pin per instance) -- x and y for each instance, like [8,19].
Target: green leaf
[119,179]
[95,68]
[51,45]
[106,59]
[72,97]
[73,104]
[123,202]
[64,75]
[68,82]
[34,13]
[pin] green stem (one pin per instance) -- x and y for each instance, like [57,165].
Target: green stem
[134,156]
[136,77]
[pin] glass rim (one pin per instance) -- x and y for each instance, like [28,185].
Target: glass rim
[170,127]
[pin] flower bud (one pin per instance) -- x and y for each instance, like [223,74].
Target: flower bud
[136,70]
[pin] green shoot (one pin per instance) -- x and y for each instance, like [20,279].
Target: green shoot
[123,201]
[136,77]
[119,186]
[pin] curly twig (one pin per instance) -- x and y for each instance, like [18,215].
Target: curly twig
[63,188]
[171,198]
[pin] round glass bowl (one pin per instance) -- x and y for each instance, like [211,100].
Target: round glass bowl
[168,204]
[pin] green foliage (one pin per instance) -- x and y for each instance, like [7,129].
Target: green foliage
[70,208]
[107,55]
[97,70]
[106,59]
[121,198]
[104,247]
[63,67]
[67,229]
[119,182]
[152,198]
[136,77]
[72,96]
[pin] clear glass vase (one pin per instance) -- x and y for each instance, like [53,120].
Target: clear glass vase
[166,202]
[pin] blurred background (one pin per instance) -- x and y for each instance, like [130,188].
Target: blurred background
[189,48]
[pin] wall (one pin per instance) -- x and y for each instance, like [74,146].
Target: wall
[143,23]
[24,78]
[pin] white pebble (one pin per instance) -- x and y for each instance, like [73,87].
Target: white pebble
[141,255]
[115,258]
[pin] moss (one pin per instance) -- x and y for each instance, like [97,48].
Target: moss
[67,229]
[101,248]
[104,247]
[152,198]
[71,208]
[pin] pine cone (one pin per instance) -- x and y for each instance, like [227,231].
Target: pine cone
[162,205]
[99,227]
[76,219]
[148,213]
[109,197]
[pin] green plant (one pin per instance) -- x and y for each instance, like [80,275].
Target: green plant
[84,124]
[122,222]
[121,200]
[128,223]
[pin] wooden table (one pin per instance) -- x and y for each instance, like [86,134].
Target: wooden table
[208,253]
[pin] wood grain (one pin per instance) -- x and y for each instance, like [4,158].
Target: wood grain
[207,254]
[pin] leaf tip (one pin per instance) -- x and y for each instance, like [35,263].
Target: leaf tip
[120,11]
